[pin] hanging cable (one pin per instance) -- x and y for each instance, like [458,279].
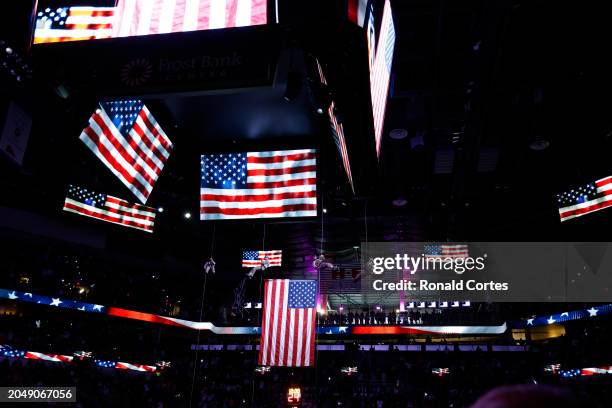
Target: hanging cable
[195,362]
[263,247]
[319,297]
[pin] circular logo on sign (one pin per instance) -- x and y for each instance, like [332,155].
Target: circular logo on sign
[136,72]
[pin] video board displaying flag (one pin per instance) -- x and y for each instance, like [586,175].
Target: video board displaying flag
[381,59]
[108,208]
[271,184]
[125,136]
[60,24]
[338,132]
[586,199]
[87,20]
[356,11]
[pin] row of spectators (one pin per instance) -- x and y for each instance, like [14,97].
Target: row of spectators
[463,316]
[230,379]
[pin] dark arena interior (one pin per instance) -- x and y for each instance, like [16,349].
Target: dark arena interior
[402,203]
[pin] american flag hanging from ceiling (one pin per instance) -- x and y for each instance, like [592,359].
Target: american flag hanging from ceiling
[272,184]
[125,136]
[380,72]
[585,199]
[57,358]
[288,323]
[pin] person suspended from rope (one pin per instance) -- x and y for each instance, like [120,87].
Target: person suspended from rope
[265,264]
[209,266]
[321,263]
[239,296]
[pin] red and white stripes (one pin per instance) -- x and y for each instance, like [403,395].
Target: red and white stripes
[287,336]
[58,358]
[144,17]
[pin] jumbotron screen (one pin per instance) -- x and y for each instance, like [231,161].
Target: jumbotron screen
[380,53]
[246,185]
[73,20]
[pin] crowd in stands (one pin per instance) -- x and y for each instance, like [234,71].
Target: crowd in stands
[229,379]
[438,316]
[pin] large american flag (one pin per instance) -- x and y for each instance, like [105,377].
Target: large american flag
[446,251]
[128,140]
[380,73]
[288,323]
[108,208]
[73,23]
[338,132]
[255,258]
[585,199]
[258,185]
[143,17]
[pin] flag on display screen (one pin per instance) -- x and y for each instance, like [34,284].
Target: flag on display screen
[128,140]
[108,208]
[58,358]
[255,258]
[380,74]
[446,251]
[338,132]
[288,323]
[142,17]
[73,23]
[586,199]
[258,185]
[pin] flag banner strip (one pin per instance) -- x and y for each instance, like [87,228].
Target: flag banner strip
[254,330]
[337,132]
[9,352]
[555,318]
